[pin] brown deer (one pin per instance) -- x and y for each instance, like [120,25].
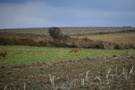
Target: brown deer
[3,54]
[74,50]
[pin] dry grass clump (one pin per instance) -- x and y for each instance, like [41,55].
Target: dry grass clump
[111,40]
[124,40]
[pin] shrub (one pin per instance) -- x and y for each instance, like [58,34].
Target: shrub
[56,33]
[3,41]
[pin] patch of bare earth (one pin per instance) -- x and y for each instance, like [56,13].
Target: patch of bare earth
[100,73]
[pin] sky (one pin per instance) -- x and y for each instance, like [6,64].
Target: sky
[66,13]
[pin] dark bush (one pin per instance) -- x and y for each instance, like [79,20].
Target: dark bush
[58,43]
[16,41]
[56,33]
[3,41]
[26,41]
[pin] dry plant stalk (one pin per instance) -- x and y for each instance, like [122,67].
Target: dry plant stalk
[24,86]
[86,77]
[52,79]
[131,70]
[5,87]
[74,82]
[124,73]
[99,79]
[108,73]
[82,82]
[116,71]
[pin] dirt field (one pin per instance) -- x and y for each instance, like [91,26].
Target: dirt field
[100,73]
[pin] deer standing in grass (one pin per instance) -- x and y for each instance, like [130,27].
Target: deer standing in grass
[74,50]
[3,54]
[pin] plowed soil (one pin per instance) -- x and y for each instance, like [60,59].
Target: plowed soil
[100,73]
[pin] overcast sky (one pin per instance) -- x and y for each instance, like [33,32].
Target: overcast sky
[66,13]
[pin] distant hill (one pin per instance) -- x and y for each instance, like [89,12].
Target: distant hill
[69,30]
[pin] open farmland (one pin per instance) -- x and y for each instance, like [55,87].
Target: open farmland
[99,37]
[111,72]
[68,30]
[125,38]
[54,68]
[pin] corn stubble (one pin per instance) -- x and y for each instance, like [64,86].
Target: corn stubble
[100,73]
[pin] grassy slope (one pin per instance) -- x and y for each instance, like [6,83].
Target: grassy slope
[113,37]
[27,54]
[66,30]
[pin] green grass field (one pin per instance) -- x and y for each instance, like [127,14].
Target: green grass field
[31,54]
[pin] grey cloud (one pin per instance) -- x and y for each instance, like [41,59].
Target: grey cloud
[42,14]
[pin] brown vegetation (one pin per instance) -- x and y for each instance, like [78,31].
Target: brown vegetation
[70,30]
[85,37]
[3,54]
[125,38]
